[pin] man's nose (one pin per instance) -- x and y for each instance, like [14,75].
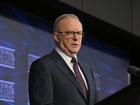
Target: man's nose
[75,37]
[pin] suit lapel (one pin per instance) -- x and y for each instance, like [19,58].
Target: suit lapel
[63,67]
[89,81]
[70,75]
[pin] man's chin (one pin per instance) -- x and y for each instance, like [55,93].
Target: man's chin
[74,51]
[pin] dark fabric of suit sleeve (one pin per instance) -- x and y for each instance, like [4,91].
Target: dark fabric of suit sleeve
[40,85]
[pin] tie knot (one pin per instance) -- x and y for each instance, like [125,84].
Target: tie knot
[73,60]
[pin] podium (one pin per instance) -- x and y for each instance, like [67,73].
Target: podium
[129,95]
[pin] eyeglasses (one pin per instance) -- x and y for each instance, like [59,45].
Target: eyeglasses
[71,34]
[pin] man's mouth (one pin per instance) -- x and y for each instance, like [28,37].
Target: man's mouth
[75,44]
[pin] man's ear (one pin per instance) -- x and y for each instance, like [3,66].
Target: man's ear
[56,36]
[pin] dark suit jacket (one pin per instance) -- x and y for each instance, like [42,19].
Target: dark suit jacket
[51,82]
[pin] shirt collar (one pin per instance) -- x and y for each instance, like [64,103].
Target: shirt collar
[63,55]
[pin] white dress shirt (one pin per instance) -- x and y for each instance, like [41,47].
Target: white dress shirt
[67,59]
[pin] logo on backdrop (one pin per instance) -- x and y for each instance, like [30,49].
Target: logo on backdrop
[7,57]
[31,58]
[6,91]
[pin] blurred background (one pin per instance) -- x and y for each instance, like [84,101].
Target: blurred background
[111,43]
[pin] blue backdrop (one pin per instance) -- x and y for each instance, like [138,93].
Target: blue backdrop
[25,37]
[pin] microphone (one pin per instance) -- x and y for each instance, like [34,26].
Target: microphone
[134,74]
[133,70]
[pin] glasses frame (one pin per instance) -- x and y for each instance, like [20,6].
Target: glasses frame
[71,34]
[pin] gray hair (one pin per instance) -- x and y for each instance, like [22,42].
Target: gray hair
[61,17]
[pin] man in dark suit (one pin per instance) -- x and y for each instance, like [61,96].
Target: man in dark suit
[53,79]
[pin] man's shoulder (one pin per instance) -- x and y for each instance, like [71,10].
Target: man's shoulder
[48,57]
[44,57]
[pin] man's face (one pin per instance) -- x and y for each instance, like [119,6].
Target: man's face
[67,41]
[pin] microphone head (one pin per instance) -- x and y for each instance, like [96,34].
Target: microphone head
[133,70]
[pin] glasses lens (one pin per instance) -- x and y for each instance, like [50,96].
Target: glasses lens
[71,34]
